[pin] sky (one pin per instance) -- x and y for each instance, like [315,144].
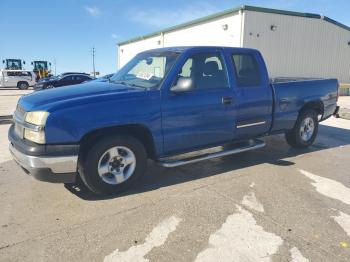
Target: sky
[65,31]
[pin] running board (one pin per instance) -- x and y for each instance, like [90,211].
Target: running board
[235,149]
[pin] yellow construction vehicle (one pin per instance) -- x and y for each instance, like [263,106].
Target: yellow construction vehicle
[13,64]
[41,69]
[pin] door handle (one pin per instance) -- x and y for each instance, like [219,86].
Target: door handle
[227,100]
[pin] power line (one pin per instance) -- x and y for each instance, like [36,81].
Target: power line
[93,61]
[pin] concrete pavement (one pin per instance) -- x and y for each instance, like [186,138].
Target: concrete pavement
[9,98]
[273,204]
[344,103]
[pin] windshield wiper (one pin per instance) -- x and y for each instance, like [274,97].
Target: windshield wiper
[126,84]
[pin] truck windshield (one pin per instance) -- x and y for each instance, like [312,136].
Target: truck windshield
[146,70]
[38,65]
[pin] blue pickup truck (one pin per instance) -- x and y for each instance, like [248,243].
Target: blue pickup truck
[168,105]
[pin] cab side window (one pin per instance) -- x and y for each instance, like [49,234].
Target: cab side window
[67,78]
[207,71]
[11,73]
[247,70]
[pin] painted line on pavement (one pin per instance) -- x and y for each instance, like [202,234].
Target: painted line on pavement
[251,202]
[240,238]
[328,187]
[344,221]
[297,256]
[156,238]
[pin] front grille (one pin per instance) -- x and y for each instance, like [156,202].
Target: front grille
[20,114]
[19,118]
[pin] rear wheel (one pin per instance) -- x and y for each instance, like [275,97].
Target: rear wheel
[22,85]
[305,130]
[113,164]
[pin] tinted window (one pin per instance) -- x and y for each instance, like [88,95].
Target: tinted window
[247,70]
[67,78]
[85,78]
[18,73]
[207,71]
[24,74]
[11,74]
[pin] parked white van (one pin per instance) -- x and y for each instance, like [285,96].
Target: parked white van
[21,79]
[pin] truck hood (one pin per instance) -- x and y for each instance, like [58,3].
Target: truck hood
[42,100]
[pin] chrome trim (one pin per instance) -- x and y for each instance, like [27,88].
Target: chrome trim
[258,144]
[252,124]
[57,164]
[27,125]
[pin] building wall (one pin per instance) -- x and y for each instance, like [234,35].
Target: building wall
[300,47]
[208,33]
[128,51]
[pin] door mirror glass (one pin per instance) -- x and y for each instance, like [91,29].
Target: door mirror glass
[184,84]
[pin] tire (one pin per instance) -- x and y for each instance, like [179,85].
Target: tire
[305,130]
[49,87]
[112,153]
[22,85]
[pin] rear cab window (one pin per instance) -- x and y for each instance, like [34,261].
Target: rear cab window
[247,70]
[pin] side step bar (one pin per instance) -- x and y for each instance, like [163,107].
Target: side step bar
[239,148]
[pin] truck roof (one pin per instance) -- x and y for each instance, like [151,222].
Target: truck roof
[181,49]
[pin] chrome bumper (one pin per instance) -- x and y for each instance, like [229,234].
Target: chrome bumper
[57,164]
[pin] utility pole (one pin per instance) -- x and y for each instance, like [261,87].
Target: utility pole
[93,61]
[54,63]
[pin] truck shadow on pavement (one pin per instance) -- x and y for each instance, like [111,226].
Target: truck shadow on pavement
[275,152]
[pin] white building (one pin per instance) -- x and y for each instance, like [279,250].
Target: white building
[293,44]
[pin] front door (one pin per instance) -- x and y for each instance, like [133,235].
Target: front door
[67,80]
[203,116]
[12,78]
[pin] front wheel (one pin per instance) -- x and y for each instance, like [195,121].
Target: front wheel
[305,130]
[113,164]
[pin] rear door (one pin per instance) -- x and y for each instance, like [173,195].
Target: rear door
[85,79]
[203,116]
[11,79]
[253,94]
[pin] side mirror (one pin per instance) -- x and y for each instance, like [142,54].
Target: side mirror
[32,63]
[24,62]
[184,84]
[3,61]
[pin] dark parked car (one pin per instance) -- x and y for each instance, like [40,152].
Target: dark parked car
[74,73]
[62,80]
[104,78]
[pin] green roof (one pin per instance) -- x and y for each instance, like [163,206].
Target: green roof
[233,11]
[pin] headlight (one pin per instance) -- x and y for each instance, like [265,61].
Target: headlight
[37,118]
[35,136]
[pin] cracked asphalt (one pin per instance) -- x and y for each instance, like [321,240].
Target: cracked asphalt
[272,204]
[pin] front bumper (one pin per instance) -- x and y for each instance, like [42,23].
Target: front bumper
[55,164]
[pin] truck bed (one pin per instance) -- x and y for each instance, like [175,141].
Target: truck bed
[291,94]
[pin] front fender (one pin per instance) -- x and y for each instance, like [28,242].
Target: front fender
[68,124]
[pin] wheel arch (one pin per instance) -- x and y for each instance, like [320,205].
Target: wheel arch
[22,81]
[139,131]
[316,105]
